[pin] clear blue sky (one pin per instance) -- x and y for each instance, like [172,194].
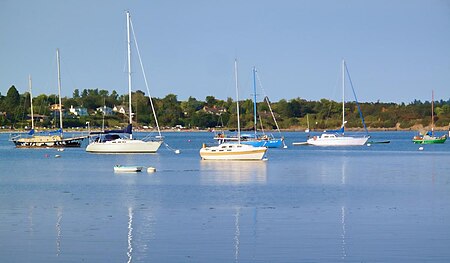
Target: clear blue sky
[396,51]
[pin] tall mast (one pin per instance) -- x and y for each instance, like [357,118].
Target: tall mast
[59,90]
[237,100]
[103,119]
[343,92]
[432,112]
[129,69]
[31,103]
[307,121]
[254,99]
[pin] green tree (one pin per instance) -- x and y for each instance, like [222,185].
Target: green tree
[282,107]
[41,105]
[170,111]
[210,101]
[69,102]
[189,109]
[142,108]
[204,120]
[76,94]
[12,100]
[112,99]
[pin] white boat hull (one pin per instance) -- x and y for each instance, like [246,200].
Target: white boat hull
[124,146]
[127,169]
[337,141]
[230,151]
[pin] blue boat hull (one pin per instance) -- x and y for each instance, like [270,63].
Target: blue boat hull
[273,143]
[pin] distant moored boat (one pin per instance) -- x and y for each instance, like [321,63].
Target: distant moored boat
[44,139]
[237,150]
[127,168]
[338,138]
[429,137]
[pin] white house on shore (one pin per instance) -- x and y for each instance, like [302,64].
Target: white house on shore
[119,109]
[107,111]
[78,111]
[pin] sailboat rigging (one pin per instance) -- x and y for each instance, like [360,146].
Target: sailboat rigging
[429,137]
[52,139]
[233,150]
[258,140]
[307,123]
[110,141]
[338,138]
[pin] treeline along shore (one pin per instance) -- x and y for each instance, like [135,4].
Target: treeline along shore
[102,108]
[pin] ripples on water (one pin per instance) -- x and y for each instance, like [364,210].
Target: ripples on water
[383,203]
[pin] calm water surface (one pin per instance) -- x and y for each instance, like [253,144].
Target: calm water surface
[383,203]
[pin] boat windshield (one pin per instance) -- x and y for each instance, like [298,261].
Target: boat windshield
[111,137]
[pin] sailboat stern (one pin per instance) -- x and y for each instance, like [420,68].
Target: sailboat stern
[229,151]
[124,146]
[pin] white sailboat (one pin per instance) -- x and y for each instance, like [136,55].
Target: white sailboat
[338,138]
[257,140]
[233,151]
[110,141]
[307,123]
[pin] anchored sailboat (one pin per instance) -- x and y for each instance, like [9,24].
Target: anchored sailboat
[233,151]
[52,139]
[429,137]
[257,140]
[338,138]
[307,123]
[111,141]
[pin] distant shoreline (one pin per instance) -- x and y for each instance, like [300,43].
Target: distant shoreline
[293,129]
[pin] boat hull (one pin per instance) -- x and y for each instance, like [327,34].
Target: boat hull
[124,146]
[52,141]
[338,141]
[273,143]
[269,143]
[233,152]
[431,140]
[127,169]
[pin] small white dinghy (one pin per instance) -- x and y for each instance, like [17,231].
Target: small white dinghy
[127,168]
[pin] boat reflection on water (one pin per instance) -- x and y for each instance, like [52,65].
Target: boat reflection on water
[237,234]
[343,210]
[337,172]
[59,214]
[344,168]
[130,235]
[233,172]
[140,232]
[333,171]
[30,220]
[343,235]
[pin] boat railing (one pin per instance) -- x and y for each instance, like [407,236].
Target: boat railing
[150,137]
[16,136]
